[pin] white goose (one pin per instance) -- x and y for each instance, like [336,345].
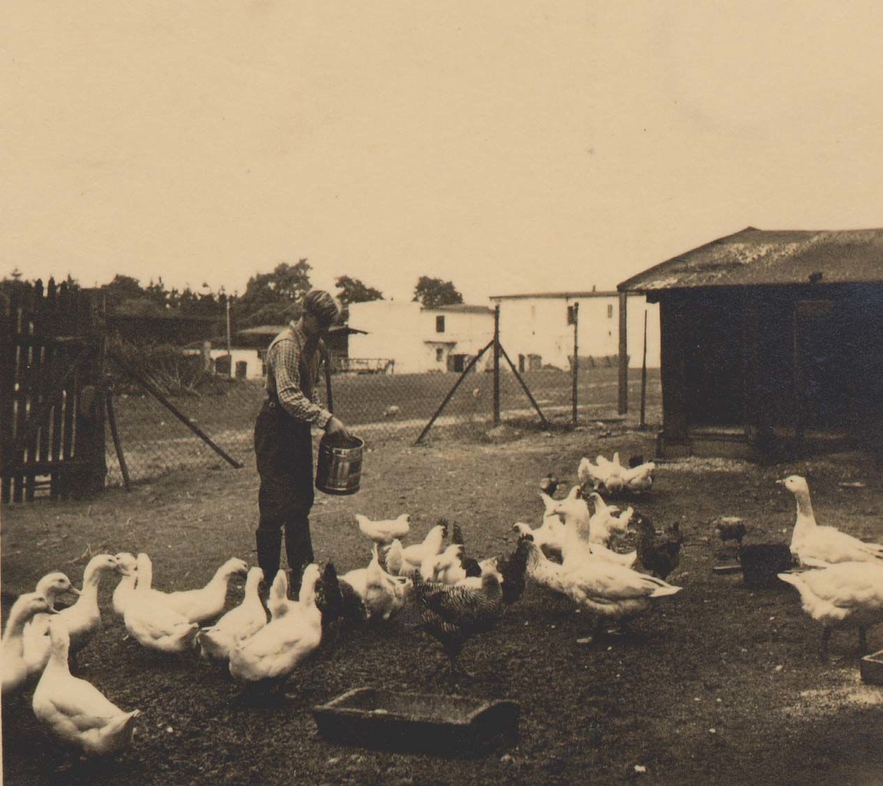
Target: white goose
[386,531]
[579,544]
[15,668]
[83,619]
[275,651]
[208,602]
[846,595]
[36,630]
[237,624]
[74,710]
[153,624]
[817,546]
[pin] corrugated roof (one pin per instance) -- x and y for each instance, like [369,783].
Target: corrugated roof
[757,257]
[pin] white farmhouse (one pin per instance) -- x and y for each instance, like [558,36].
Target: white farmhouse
[419,339]
[536,330]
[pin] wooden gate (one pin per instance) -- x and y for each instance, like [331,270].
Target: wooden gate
[51,405]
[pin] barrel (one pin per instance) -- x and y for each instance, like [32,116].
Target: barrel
[339,466]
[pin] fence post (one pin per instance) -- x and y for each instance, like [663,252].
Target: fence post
[644,374]
[575,366]
[497,365]
[623,354]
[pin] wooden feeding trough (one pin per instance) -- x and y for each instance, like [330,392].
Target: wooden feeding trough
[418,722]
[871,667]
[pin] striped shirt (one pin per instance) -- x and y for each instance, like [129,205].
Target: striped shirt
[292,376]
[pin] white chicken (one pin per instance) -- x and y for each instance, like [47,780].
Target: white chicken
[384,594]
[583,537]
[412,556]
[845,595]
[237,624]
[270,656]
[74,710]
[817,546]
[550,535]
[385,531]
[607,520]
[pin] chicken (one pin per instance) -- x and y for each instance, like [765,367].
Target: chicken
[384,594]
[607,521]
[74,710]
[336,600]
[432,544]
[453,615]
[815,545]
[550,535]
[549,484]
[659,555]
[845,595]
[386,531]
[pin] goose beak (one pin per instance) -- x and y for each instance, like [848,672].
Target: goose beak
[780,482]
[73,590]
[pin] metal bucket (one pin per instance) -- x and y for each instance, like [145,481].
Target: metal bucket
[339,466]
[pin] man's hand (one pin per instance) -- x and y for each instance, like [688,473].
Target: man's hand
[335,426]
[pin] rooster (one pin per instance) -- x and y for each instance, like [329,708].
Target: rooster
[730,528]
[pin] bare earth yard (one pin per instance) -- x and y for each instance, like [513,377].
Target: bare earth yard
[720,684]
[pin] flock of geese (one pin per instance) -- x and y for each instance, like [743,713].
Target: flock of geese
[432,583]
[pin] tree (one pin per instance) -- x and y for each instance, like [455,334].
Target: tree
[433,292]
[351,290]
[271,298]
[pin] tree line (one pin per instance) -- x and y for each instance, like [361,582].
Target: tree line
[269,298]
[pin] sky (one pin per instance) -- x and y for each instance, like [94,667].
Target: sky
[508,147]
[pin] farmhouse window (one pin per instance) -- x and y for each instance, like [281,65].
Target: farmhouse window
[439,352]
[440,324]
[571,315]
[609,311]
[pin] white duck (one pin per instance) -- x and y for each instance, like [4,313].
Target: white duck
[275,651]
[413,556]
[36,630]
[153,624]
[128,567]
[83,619]
[208,602]
[74,710]
[816,546]
[846,595]
[237,624]
[386,531]
[607,590]
[15,668]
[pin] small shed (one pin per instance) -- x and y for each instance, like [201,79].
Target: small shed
[771,342]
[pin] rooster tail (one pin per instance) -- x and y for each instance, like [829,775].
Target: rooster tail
[457,534]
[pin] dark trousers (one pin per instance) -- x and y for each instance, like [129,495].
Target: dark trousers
[284,451]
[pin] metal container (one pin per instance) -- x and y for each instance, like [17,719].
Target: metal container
[339,466]
[418,722]
[762,562]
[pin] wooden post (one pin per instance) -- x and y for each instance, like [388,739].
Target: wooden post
[497,365]
[117,444]
[623,354]
[574,370]
[644,375]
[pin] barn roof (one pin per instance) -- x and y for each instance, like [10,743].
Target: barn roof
[757,257]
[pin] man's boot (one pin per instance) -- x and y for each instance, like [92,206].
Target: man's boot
[269,543]
[298,550]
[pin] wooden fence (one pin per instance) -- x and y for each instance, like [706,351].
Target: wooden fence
[51,406]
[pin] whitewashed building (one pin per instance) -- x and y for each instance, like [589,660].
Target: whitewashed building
[419,339]
[536,330]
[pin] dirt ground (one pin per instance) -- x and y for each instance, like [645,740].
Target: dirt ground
[719,685]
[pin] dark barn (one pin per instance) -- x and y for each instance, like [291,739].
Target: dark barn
[772,343]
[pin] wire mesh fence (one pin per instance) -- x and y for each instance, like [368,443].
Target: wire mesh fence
[380,408]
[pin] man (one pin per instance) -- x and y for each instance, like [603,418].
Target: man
[283,439]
